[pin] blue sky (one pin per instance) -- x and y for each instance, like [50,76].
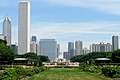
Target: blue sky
[92,21]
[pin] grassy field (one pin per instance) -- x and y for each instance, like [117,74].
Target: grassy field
[68,74]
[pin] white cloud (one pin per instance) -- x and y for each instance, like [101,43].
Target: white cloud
[74,28]
[65,32]
[109,6]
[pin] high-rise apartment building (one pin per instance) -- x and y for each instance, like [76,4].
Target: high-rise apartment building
[70,50]
[23,27]
[78,48]
[115,42]
[48,47]
[7,30]
[102,47]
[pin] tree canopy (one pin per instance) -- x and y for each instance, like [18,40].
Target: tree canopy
[6,54]
[3,42]
[34,58]
[116,56]
[92,55]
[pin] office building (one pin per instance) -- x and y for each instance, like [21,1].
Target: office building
[78,48]
[7,30]
[58,50]
[65,55]
[23,27]
[33,47]
[14,48]
[70,50]
[48,47]
[85,51]
[34,39]
[115,42]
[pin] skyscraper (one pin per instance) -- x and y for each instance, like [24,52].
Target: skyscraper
[33,47]
[58,50]
[23,27]
[34,39]
[115,42]
[78,48]
[7,30]
[70,50]
[48,47]
[14,48]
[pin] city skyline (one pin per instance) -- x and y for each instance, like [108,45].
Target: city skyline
[68,20]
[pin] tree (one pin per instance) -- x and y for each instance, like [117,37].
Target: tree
[91,56]
[3,42]
[6,54]
[44,58]
[116,56]
[33,57]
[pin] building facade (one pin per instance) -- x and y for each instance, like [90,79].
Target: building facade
[14,48]
[7,30]
[70,50]
[115,42]
[23,27]
[102,47]
[58,50]
[33,47]
[85,51]
[78,47]
[48,47]
[34,39]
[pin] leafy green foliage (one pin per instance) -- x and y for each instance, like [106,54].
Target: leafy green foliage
[6,55]
[3,42]
[33,57]
[90,68]
[90,56]
[18,73]
[116,56]
[44,58]
[111,71]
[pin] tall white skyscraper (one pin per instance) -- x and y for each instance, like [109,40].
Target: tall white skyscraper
[78,48]
[115,42]
[7,30]
[23,27]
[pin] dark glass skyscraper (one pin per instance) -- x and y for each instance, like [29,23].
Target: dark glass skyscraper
[34,39]
[70,50]
[115,42]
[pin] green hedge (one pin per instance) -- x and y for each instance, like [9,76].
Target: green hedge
[109,71]
[90,68]
[113,72]
[18,73]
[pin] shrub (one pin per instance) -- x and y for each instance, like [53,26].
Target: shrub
[90,68]
[18,73]
[113,72]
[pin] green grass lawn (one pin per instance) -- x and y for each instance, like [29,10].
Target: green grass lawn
[67,74]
